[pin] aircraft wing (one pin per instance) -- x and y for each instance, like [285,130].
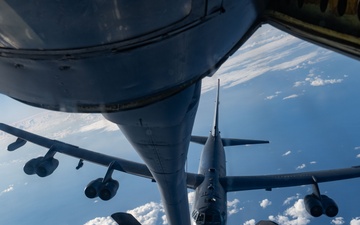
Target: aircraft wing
[121,165]
[330,24]
[267,182]
[227,141]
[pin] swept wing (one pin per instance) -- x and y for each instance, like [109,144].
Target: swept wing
[55,146]
[267,182]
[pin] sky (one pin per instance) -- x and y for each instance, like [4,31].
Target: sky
[300,97]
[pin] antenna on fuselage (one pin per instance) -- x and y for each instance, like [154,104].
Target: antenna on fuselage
[215,128]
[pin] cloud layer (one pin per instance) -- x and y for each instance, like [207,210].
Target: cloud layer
[269,51]
[295,215]
[153,213]
[101,221]
[355,221]
[148,214]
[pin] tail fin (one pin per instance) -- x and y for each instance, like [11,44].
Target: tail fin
[199,139]
[215,130]
[228,141]
[233,141]
[266,222]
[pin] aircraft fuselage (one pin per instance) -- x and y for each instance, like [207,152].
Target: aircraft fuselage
[109,56]
[140,63]
[210,196]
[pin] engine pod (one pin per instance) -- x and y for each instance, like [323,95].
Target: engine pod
[313,205]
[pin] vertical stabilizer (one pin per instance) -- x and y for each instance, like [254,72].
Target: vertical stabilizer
[215,128]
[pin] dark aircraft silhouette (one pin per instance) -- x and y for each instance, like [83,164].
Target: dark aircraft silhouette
[140,63]
[211,183]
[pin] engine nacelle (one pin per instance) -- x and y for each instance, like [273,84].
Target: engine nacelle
[46,167]
[42,167]
[30,167]
[313,205]
[330,207]
[93,188]
[105,191]
[109,189]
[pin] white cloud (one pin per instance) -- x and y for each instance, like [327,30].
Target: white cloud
[280,52]
[250,222]
[147,214]
[66,124]
[164,218]
[270,97]
[232,206]
[295,62]
[313,162]
[302,166]
[10,188]
[338,221]
[358,156]
[289,199]
[265,203]
[315,80]
[151,213]
[191,197]
[355,221]
[299,83]
[101,221]
[291,96]
[295,215]
[273,96]
[357,148]
[99,125]
[287,153]
[320,82]
[13,161]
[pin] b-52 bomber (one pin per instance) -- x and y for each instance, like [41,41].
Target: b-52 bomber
[140,64]
[211,184]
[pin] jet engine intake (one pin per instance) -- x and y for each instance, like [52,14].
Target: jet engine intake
[330,207]
[105,190]
[313,205]
[47,167]
[41,166]
[316,207]
[30,167]
[109,189]
[92,189]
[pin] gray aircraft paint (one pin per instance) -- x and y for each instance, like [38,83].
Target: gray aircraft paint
[54,58]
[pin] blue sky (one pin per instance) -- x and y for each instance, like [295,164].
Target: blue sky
[300,97]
